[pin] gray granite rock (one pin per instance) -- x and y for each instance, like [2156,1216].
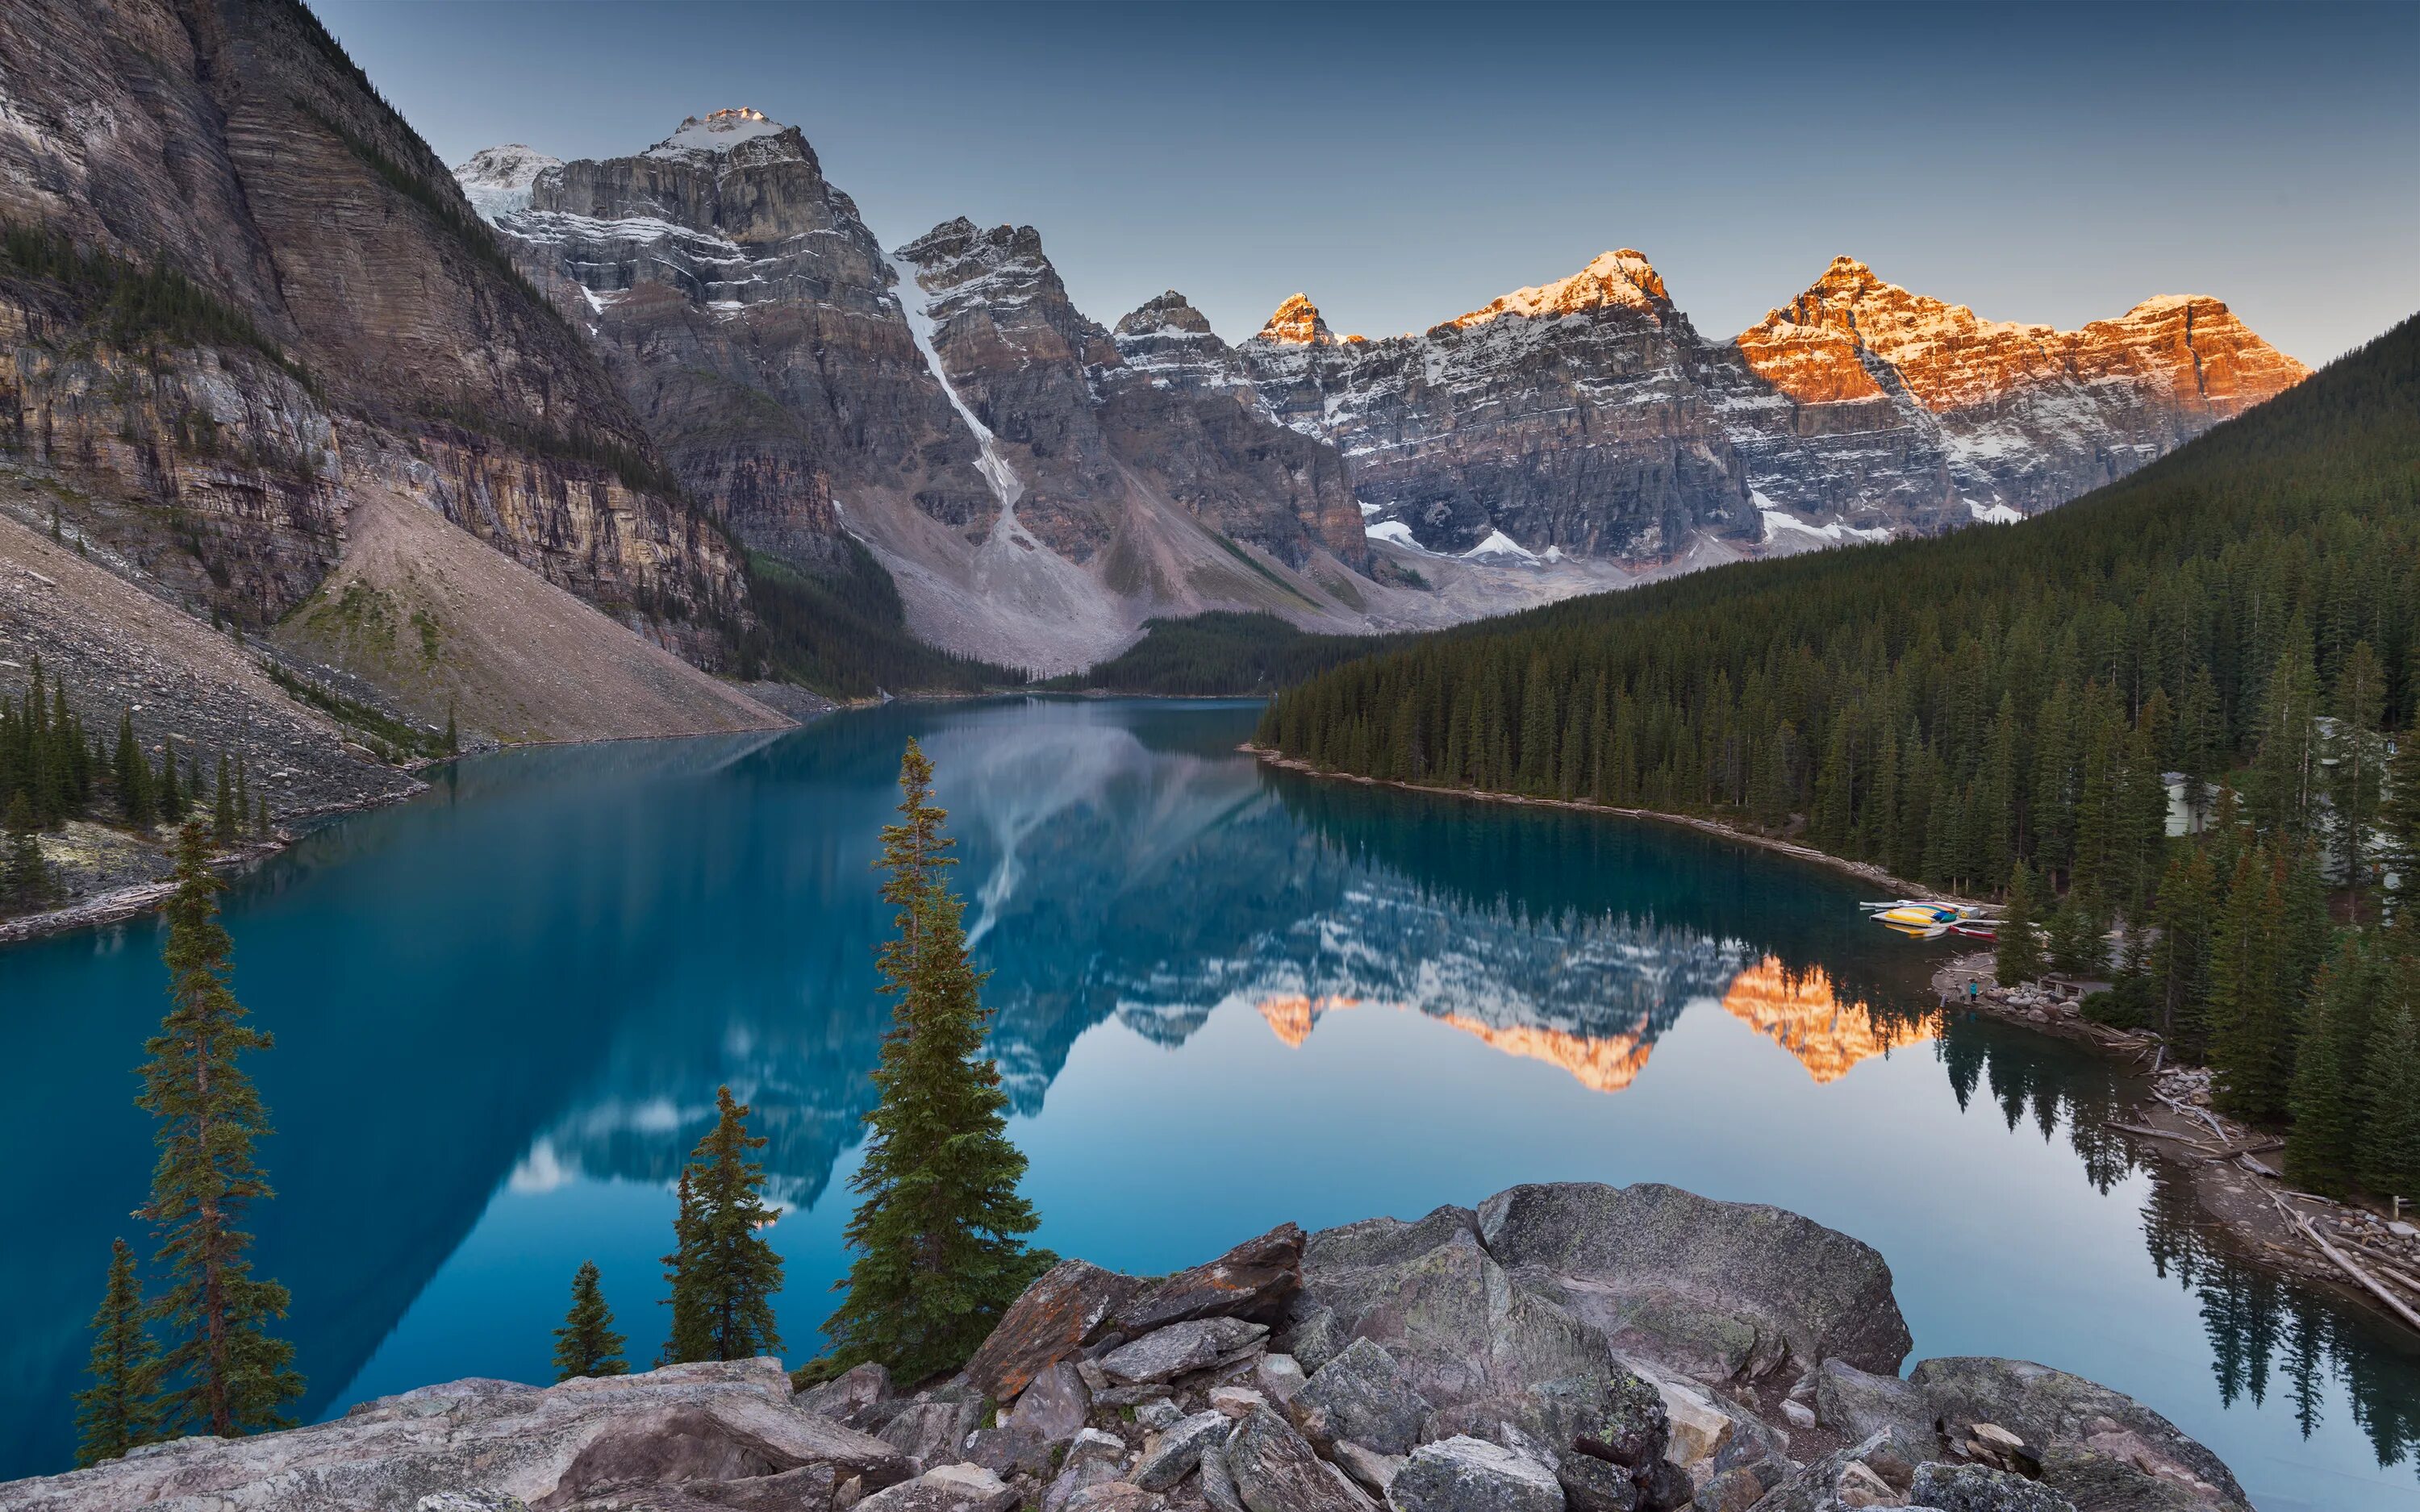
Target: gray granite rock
[1973,1488]
[1217,1481]
[1593,1485]
[1635,1428]
[1176,1451]
[847,1394]
[2102,1449]
[1180,1350]
[1467,1475]
[1369,1399]
[1855,1403]
[1275,1470]
[1718,1289]
[1255,1280]
[1093,1458]
[932,1432]
[1054,1407]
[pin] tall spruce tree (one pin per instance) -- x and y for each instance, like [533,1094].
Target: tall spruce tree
[2181,954]
[133,778]
[2399,816]
[586,1344]
[2326,1100]
[724,1273]
[940,1236]
[226,1374]
[2357,759]
[2251,1037]
[2388,1147]
[25,876]
[224,812]
[118,1411]
[2018,956]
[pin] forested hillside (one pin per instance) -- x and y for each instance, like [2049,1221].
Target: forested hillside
[2002,704]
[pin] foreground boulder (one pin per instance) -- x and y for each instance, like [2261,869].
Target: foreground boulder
[2102,1450]
[585,1443]
[1715,1288]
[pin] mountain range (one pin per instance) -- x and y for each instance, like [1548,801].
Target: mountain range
[529,439]
[1041,483]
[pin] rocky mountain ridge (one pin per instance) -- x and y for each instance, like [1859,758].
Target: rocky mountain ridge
[1569,1348]
[1586,416]
[1033,495]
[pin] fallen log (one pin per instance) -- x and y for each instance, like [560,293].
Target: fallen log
[2368,1282]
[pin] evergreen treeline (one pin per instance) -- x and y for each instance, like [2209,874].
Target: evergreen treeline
[52,769]
[1219,653]
[845,634]
[131,305]
[1999,707]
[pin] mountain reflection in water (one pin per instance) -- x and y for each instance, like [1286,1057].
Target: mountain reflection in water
[1224,996]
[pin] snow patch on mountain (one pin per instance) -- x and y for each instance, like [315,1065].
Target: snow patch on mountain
[496,180]
[716,131]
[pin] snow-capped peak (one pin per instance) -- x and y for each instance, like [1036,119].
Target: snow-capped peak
[716,131]
[496,180]
[1621,279]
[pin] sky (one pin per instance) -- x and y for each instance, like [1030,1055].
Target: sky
[1402,164]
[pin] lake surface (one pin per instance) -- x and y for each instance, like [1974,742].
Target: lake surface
[1226,997]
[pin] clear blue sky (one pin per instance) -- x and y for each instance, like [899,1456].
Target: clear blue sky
[1402,164]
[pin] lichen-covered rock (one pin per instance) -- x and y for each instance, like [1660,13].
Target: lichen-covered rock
[1275,1470]
[1593,1485]
[1093,1458]
[932,1432]
[1948,1488]
[1718,1289]
[1175,1450]
[1054,1407]
[847,1394]
[1635,1428]
[1368,1398]
[1064,1310]
[1855,1403]
[1254,1281]
[1466,1474]
[954,1488]
[2100,1448]
[1180,1349]
[554,1447]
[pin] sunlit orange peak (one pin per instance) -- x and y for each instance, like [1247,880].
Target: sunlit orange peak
[1801,1015]
[1606,1064]
[1290,1018]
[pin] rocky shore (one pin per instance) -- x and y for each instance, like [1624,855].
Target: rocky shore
[2233,1168]
[1570,1347]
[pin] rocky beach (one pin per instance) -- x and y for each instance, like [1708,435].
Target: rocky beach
[1569,1348]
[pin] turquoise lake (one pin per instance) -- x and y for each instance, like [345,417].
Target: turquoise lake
[1226,997]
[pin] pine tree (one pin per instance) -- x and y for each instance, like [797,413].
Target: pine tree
[940,1236]
[222,814]
[453,737]
[2251,1044]
[2358,755]
[723,1272]
[2181,959]
[25,876]
[2388,1150]
[117,1411]
[2325,1100]
[226,1374]
[2018,957]
[2400,815]
[164,795]
[132,777]
[2079,947]
[260,824]
[586,1344]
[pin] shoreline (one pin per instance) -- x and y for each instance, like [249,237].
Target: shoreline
[1865,870]
[2243,1199]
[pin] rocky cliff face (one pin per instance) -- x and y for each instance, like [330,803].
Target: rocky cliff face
[947,405]
[1990,415]
[1568,416]
[1586,416]
[241,280]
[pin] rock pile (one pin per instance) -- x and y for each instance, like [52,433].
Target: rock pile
[1560,1349]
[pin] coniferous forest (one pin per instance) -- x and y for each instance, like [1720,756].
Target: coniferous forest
[2001,712]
